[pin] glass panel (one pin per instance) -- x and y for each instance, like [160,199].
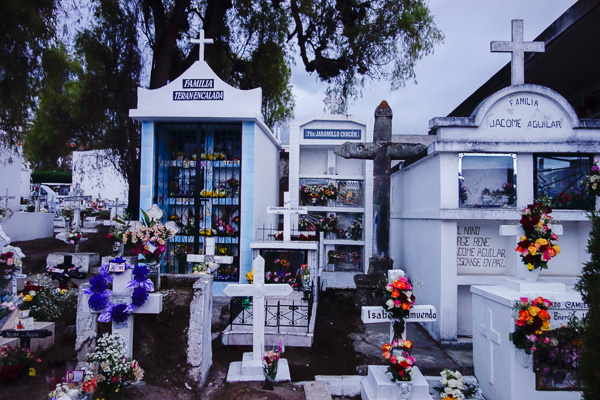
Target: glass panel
[350,193]
[312,192]
[487,180]
[560,178]
[346,258]
[283,266]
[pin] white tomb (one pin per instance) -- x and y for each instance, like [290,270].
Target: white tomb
[496,361]
[121,294]
[480,172]
[251,368]
[311,163]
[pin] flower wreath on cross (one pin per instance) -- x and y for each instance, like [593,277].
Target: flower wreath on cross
[99,292]
[399,300]
[538,246]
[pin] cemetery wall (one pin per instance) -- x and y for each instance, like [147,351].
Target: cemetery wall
[98,176]
[28,226]
[10,171]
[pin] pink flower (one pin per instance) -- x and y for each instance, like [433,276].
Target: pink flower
[546,256]
[397,303]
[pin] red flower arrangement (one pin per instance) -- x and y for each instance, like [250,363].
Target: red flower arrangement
[538,246]
[399,301]
[532,319]
[400,362]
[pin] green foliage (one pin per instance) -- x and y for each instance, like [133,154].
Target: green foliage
[51,176]
[589,286]
[26,28]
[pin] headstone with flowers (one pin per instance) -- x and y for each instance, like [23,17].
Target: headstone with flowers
[148,239]
[400,379]
[131,294]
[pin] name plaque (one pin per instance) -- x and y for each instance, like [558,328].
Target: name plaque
[343,134]
[418,313]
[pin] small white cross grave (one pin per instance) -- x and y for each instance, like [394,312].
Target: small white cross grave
[114,209]
[333,102]
[378,314]
[518,48]
[258,290]
[76,197]
[6,197]
[201,42]
[287,210]
[122,295]
[209,255]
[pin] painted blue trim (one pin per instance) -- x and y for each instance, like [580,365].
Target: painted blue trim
[247,199]
[147,173]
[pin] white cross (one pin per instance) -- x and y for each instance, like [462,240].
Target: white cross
[287,210]
[333,102]
[209,255]
[122,295]
[493,337]
[518,48]
[76,196]
[114,208]
[378,314]
[258,290]
[6,198]
[201,42]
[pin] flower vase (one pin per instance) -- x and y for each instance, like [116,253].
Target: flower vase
[523,359]
[533,275]
[404,390]
[76,248]
[270,374]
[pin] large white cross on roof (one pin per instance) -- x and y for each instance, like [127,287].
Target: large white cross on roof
[201,42]
[518,48]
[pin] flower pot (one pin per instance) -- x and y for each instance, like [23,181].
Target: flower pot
[270,374]
[10,374]
[533,275]
[404,390]
[523,359]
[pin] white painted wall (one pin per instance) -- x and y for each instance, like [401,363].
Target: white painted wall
[266,179]
[98,176]
[10,176]
[28,226]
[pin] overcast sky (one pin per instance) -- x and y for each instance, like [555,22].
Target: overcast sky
[458,66]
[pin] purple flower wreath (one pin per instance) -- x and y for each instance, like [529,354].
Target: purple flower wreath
[99,292]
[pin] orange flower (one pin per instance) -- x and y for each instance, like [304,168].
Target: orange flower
[283,262]
[546,325]
[524,316]
[395,294]
[544,315]
[408,344]
[386,347]
[399,285]
[387,355]
[405,306]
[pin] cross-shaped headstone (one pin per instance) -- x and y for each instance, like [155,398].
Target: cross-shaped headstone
[209,254]
[381,151]
[378,314]
[201,42]
[518,48]
[122,295]
[258,290]
[287,210]
[6,197]
[114,208]
[333,102]
[493,337]
[76,197]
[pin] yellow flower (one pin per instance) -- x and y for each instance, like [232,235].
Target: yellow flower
[63,291]
[530,266]
[523,238]
[533,311]
[28,298]
[532,250]
[541,242]
[557,248]
[31,371]
[546,325]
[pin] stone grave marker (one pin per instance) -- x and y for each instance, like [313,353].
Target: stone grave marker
[76,197]
[121,294]
[250,368]
[25,336]
[287,210]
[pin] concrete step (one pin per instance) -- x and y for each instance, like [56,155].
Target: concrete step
[316,391]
